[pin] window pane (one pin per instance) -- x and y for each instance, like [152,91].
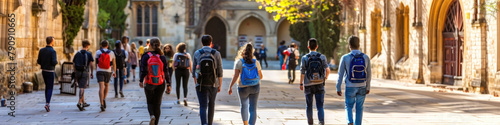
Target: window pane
[139,21]
[155,20]
[147,21]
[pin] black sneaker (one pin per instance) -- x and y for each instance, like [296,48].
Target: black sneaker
[86,104]
[121,93]
[104,103]
[80,106]
[102,108]
[185,103]
[152,121]
[116,95]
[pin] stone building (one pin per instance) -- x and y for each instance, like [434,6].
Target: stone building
[448,42]
[232,22]
[34,21]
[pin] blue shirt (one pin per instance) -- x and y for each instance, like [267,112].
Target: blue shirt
[47,58]
[344,63]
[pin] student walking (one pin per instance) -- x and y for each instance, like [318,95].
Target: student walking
[141,49]
[133,59]
[106,64]
[263,54]
[280,53]
[47,59]
[154,72]
[182,67]
[292,62]
[126,47]
[121,55]
[355,70]
[207,75]
[247,71]
[82,63]
[314,72]
[169,53]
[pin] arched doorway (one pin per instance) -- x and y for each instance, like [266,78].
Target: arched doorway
[254,30]
[453,38]
[284,32]
[217,29]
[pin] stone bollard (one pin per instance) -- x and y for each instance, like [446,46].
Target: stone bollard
[28,87]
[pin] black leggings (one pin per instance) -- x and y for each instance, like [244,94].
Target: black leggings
[153,98]
[181,74]
[265,60]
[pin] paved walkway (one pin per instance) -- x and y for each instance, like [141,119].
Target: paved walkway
[390,102]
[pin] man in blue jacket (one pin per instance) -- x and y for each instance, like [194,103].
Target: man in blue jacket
[47,58]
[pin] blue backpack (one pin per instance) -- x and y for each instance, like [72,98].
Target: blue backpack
[249,74]
[357,72]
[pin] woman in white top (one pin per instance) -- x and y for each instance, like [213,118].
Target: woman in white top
[182,68]
[249,69]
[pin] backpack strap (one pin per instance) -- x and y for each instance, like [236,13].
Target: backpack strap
[213,52]
[150,55]
[201,51]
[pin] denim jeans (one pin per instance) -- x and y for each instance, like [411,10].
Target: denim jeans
[119,80]
[318,91]
[281,60]
[48,78]
[249,96]
[128,70]
[206,98]
[355,95]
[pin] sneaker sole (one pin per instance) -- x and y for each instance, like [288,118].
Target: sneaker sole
[152,121]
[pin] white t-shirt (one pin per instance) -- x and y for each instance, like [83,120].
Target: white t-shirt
[111,58]
[127,48]
[187,54]
[297,54]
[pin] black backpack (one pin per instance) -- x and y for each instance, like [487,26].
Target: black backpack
[207,74]
[80,64]
[120,59]
[182,61]
[315,72]
[291,59]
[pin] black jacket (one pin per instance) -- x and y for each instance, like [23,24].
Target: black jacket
[47,58]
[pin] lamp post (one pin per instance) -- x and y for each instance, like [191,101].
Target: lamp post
[176,17]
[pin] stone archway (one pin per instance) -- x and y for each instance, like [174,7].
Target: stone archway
[376,33]
[217,29]
[252,28]
[442,42]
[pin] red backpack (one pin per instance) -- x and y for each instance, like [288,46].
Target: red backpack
[155,70]
[104,60]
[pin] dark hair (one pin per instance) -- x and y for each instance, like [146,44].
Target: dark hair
[169,53]
[147,42]
[140,42]
[85,43]
[181,47]
[49,39]
[124,38]
[118,47]
[354,42]
[156,45]
[292,45]
[248,54]
[104,43]
[313,44]
[206,40]
[282,42]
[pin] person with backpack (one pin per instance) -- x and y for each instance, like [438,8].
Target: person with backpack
[133,59]
[292,62]
[106,64]
[279,52]
[355,70]
[126,47]
[263,54]
[169,53]
[248,72]
[81,62]
[121,55]
[207,74]
[154,74]
[47,59]
[182,67]
[314,72]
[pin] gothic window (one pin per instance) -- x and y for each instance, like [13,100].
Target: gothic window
[402,27]
[154,23]
[147,20]
[139,21]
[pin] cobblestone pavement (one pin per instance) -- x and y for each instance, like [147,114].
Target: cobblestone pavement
[390,102]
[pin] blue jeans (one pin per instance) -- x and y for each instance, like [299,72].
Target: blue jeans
[206,98]
[119,76]
[281,60]
[318,91]
[249,96]
[128,70]
[355,95]
[48,78]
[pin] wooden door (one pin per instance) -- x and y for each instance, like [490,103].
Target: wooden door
[453,44]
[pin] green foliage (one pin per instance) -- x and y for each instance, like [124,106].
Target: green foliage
[295,10]
[328,28]
[300,32]
[102,18]
[72,20]
[115,9]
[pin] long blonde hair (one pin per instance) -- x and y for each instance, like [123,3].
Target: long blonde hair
[246,53]
[133,47]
